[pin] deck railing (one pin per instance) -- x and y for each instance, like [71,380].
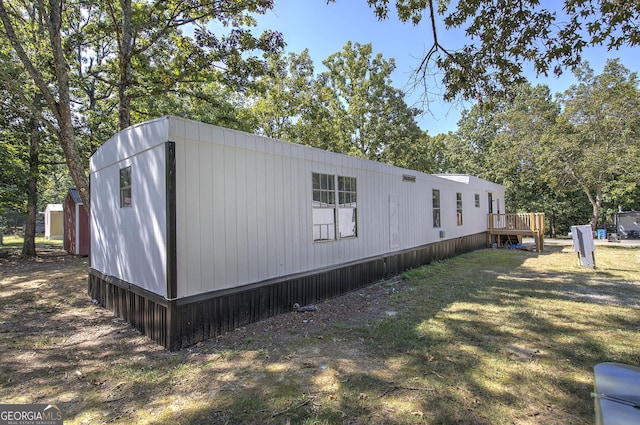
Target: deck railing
[521,221]
[518,224]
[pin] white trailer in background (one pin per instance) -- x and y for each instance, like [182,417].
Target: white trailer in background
[197,229]
[628,224]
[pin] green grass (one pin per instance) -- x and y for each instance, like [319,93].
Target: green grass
[15,242]
[501,331]
[490,337]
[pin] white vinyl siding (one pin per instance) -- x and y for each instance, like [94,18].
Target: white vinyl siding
[130,243]
[244,208]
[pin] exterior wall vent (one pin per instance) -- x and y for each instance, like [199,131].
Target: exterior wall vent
[441,234]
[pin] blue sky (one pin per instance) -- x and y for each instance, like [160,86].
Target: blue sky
[325,29]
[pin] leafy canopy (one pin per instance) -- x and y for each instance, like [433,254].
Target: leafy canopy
[506,38]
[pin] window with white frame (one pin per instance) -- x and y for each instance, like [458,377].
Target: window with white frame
[324,206]
[435,196]
[459,207]
[333,219]
[347,207]
[477,200]
[125,187]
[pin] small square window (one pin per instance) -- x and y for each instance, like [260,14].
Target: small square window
[125,187]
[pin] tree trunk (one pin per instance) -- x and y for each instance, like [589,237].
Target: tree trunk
[62,109]
[29,245]
[552,224]
[597,203]
[126,72]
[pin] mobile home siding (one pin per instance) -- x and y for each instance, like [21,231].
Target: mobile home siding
[244,213]
[129,243]
[220,229]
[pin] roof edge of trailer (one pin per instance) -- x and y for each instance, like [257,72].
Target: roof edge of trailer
[173,128]
[130,141]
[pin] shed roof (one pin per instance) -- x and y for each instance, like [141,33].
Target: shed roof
[53,207]
[75,195]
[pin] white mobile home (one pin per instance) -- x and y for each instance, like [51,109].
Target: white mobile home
[196,229]
[628,224]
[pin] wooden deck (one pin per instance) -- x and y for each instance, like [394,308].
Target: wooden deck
[507,229]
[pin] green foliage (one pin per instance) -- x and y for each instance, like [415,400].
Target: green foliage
[363,103]
[468,150]
[596,141]
[506,38]
[284,94]
[102,65]
[211,102]
[13,173]
[155,57]
[574,157]
[350,108]
[516,151]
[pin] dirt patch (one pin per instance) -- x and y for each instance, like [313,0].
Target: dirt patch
[495,336]
[358,308]
[56,345]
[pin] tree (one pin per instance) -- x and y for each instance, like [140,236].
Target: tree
[284,91]
[139,51]
[13,174]
[469,149]
[516,150]
[596,141]
[154,56]
[24,123]
[51,78]
[209,102]
[366,114]
[507,37]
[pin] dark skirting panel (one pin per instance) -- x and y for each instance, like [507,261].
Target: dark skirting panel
[179,323]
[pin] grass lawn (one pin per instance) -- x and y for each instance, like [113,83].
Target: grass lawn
[491,337]
[14,242]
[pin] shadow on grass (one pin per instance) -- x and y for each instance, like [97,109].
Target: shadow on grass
[479,339]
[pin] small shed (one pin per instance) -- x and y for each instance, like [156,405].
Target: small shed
[53,222]
[76,225]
